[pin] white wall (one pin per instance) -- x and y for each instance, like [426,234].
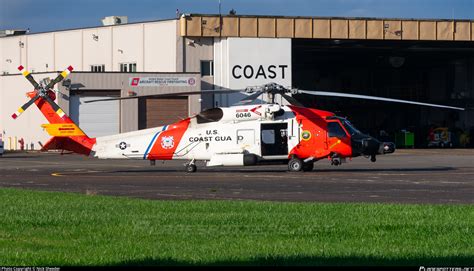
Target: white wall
[10,55]
[68,50]
[243,62]
[28,125]
[153,46]
[40,53]
[98,51]
[160,50]
[128,45]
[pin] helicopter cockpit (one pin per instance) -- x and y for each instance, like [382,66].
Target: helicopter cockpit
[362,144]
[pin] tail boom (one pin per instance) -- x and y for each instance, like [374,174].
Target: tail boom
[66,134]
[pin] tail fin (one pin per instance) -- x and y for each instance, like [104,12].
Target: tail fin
[66,134]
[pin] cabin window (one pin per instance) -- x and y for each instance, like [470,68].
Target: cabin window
[335,130]
[268,136]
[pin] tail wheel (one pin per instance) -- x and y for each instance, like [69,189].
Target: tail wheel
[295,164]
[308,166]
[191,168]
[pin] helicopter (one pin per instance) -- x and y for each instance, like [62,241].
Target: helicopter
[242,135]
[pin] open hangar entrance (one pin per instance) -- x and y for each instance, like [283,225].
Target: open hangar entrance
[425,71]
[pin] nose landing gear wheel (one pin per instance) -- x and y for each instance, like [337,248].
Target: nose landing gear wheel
[295,164]
[190,168]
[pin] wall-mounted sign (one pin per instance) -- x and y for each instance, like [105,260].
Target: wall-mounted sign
[244,62]
[181,81]
[262,71]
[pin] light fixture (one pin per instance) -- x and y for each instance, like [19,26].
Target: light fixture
[396,61]
[21,44]
[9,60]
[95,37]
[66,83]
[120,51]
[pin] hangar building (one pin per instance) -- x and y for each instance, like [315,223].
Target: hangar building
[423,60]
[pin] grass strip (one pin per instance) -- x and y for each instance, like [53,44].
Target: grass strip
[57,229]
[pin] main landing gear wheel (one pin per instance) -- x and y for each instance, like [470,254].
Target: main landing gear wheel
[308,166]
[295,164]
[191,168]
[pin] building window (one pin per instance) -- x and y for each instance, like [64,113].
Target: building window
[207,68]
[128,67]
[97,68]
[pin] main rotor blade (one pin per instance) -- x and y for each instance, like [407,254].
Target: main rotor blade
[291,100]
[24,107]
[250,98]
[357,96]
[60,77]
[28,76]
[55,107]
[167,95]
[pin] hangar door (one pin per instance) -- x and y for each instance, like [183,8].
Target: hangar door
[96,119]
[155,112]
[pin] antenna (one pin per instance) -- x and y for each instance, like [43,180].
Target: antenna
[220,19]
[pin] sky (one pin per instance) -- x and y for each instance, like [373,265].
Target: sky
[50,15]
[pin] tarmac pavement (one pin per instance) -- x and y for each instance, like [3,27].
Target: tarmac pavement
[407,176]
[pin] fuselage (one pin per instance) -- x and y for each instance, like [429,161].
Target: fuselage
[242,135]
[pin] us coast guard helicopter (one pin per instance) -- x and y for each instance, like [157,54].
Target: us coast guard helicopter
[241,135]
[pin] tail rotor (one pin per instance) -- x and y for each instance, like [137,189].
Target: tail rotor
[42,90]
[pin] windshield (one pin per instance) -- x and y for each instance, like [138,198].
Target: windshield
[350,128]
[335,130]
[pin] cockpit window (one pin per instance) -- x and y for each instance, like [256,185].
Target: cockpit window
[210,115]
[350,128]
[335,130]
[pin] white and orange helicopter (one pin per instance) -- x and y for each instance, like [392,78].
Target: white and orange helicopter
[240,135]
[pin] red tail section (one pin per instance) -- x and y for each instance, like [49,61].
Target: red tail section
[81,144]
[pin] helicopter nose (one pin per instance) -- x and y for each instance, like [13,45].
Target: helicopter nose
[387,147]
[370,146]
[365,145]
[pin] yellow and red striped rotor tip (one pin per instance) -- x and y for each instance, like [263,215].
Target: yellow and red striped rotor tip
[17,113]
[66,72]
[70,68]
